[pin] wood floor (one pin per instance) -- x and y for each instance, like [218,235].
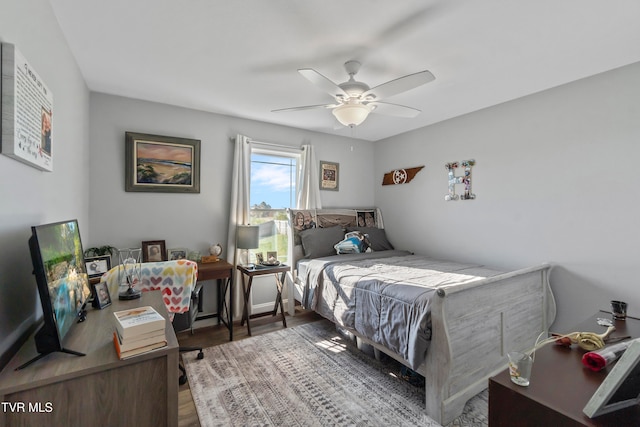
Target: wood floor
[216,335]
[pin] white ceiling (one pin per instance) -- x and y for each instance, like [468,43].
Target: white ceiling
[240,58]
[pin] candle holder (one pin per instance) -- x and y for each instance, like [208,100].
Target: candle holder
[129,273]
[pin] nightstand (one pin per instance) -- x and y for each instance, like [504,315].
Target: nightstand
[222,272]
[560,387]
[248,273]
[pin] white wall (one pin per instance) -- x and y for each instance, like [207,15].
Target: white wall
[28,196]
[556,180]
[195,221]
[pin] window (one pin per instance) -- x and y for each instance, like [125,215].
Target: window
[272,191]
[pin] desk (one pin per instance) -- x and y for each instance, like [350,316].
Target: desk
[222,272]
[251,272]
[560,387]
[96,389]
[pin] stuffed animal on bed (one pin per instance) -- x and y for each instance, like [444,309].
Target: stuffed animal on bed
[354,242]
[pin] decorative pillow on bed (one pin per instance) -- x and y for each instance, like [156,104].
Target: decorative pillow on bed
[319,242]
[377,237]
[354,242]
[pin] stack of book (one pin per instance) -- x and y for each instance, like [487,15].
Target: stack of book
[138,330]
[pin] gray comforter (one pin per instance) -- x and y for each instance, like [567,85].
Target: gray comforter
[384,296]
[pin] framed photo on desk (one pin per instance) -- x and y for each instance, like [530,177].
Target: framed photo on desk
[621,387]
[101,297]
[97,266]
[177,253]
[154,251]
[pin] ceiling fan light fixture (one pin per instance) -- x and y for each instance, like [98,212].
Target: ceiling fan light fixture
[351,114]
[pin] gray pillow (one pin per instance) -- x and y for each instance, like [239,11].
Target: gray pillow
[318,242]
[377,238]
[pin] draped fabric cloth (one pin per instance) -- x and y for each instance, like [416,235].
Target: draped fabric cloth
[176,279]
[308,196]
[239,210]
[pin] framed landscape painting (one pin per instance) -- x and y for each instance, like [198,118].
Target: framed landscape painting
[163,164]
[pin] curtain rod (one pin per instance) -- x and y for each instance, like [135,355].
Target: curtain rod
[271,144]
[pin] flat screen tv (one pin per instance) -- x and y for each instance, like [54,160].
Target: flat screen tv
[62,280]
[621,387]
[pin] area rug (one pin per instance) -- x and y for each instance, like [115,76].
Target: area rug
[308,375]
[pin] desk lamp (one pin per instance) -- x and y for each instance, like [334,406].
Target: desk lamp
[247,237]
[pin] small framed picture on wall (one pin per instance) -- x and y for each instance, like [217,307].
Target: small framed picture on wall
[329,176]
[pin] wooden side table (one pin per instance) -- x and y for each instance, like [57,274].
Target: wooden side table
[222,272]
[250,273]
[560,387]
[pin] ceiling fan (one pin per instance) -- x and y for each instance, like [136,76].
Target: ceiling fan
[355,100]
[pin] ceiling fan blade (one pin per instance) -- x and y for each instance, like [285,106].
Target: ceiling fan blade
[322,82]
[396,110]
[305,107]
[399,85]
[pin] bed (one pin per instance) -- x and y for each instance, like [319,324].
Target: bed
[452,322]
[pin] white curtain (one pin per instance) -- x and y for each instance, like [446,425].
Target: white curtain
[239,211]
[308,196]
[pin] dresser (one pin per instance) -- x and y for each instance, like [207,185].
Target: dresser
[98,388]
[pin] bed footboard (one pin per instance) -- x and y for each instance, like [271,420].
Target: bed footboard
[474,326]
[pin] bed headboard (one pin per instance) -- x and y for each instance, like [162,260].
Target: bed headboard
[301,220]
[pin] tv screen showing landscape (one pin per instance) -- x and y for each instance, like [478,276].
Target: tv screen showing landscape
[63,271]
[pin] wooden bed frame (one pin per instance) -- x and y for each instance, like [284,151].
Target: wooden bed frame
[474,326]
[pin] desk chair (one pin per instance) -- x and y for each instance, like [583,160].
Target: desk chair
[178,282]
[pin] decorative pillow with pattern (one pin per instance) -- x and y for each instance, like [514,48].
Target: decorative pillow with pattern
[354,243]
[377,237]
